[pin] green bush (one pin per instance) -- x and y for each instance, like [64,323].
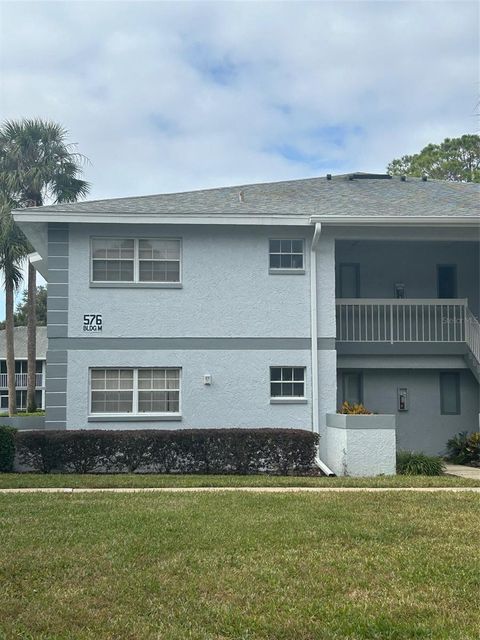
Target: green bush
[7,448]
[411,463]
[464,448]
[217,451]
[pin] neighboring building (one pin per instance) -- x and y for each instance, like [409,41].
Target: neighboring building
[21,369]
[203,309]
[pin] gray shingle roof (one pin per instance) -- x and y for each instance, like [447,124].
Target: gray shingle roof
[20,343]
[339,196]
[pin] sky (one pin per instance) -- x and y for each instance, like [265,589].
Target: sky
[173,96]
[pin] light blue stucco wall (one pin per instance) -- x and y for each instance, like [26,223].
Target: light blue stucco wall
[239,395]
[226,287]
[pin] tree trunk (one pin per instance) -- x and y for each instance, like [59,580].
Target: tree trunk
[31,338]
[12,398]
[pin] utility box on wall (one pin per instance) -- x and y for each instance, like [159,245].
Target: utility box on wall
[361,445]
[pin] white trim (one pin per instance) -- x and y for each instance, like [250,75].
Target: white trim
[399,221]
[165,218]
[314,326]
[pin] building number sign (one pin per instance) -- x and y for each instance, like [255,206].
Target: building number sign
[92,322]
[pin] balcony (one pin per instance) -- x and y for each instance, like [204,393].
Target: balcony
[362,320]
[21,381]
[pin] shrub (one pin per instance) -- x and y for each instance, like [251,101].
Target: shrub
[40,450]
[411,463]
[464,448]
[354,409]
[239,451]
[7,448]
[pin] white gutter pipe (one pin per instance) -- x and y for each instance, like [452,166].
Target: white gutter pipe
[314,340]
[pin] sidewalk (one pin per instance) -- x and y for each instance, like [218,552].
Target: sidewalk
[237,489]
[460,470]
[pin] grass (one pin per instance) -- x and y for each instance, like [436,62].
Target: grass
[24,480]
[240,566]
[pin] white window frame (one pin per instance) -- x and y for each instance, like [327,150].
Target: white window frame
[136,264]
[288,399]
[287,270]
[135,412]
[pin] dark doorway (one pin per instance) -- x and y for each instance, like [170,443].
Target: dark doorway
[446,280]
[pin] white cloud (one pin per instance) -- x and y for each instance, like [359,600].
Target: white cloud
[166,96]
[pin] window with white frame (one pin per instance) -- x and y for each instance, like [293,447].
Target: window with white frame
[287,382]
[286,254]
[135,391]
[136,260]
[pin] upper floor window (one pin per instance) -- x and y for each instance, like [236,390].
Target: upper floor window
[286,255]
[136,260]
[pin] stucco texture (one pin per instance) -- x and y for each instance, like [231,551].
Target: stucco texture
[239,395]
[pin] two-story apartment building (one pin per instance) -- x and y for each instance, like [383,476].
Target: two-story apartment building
[265,305]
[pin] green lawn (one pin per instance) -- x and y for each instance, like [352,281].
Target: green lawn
[24,480]
[390,566]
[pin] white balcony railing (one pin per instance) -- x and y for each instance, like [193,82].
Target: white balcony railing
[472,334]
[383,320]
[21,380]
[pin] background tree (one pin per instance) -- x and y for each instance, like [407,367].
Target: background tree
[456,159]
[13,251]
[37,165]
[20,315]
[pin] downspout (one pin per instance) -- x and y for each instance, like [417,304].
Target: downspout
[314,340]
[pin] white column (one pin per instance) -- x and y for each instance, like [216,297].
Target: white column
[327,355]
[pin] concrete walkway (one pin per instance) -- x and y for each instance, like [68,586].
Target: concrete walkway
[241,489]
[460,470]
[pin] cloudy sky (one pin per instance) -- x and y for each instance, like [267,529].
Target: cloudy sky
[169,96]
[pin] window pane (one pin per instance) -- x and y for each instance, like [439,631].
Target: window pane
[113,248]
[159,249]
[450,393]
[298,389]
[112,271]
[286,261]
[297,261]
[297,246]
[287,373]
[298,373]
[159,271]
[275,389]
[275,373]
[285,246]
[274,246]
[275,261]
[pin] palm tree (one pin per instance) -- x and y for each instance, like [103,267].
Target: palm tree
[38,165]
[13,251]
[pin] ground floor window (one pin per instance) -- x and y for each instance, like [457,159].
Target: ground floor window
[352,387]
[287,382]
[135,391]
[449,393]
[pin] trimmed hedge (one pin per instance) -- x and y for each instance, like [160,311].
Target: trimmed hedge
[7,448]
[236,451]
